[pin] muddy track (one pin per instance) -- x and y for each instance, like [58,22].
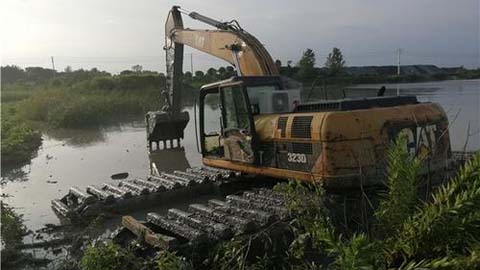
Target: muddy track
[201,226]
[123,196]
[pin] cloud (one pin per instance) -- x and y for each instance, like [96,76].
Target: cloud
[368,31]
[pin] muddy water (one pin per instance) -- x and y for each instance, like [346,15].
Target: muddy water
[82,157]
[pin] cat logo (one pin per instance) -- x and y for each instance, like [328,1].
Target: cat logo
[421,140]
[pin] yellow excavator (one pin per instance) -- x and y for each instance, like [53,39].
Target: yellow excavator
[254,124]
[262,127]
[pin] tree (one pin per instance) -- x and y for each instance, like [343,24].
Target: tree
[211,72]
[199,74]
[126,72]
[68,69]
[137,68]
[11,74]
[335,63]
[222,73]
[230,71]
[187,77]
[307,65]
[278,64]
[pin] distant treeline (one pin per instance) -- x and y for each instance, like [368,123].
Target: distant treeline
[32,77]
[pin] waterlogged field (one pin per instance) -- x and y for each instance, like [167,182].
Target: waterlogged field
[79,157]
[76,109]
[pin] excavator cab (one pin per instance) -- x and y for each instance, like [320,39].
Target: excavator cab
[227,130]
[227,111]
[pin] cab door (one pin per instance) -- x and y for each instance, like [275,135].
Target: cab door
[238,127]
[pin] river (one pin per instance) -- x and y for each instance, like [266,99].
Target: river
[83,157]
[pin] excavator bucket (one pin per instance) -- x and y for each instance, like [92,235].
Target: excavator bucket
[165,127]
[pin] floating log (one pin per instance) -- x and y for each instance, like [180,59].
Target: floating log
[154,239]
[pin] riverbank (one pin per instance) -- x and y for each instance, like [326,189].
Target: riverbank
[19,141]
[91,102]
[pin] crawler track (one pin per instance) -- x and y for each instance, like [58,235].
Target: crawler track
[119,197]
[203,225]
[122,196]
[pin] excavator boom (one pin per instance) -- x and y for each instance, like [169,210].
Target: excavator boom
[228,42]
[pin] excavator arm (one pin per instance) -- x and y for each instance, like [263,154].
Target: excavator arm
[228,42]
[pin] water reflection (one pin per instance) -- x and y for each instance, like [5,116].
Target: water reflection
[168,160]
[78,137]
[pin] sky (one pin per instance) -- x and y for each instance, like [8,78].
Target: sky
[114,35]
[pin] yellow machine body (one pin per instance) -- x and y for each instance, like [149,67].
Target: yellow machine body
[344,148]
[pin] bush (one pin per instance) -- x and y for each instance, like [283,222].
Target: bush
[19,141]
[73,109]
[13,231]
[441,233]
[108,256]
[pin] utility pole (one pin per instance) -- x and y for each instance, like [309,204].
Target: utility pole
[399,55]
[191,63]
[53,67]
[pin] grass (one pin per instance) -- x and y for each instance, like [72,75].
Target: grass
[19,142]
[75,109]
[12,230]
[76,103]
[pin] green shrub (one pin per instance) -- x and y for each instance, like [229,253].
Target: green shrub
[13,230]
[70,108]
[108,256]
[19,141]
[169,261]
